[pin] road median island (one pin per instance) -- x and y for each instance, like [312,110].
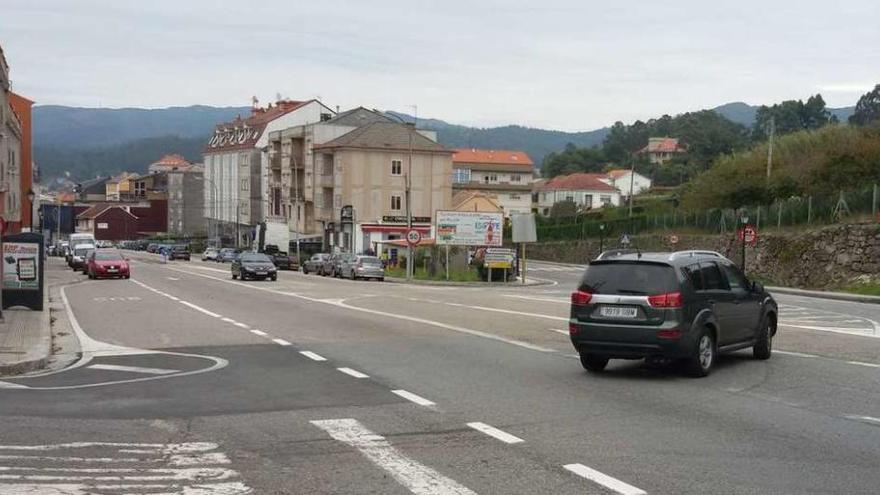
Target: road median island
[839,296]
[530,282]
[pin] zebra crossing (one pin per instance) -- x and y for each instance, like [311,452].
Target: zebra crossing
[534,267]
[827,321]
[106,468]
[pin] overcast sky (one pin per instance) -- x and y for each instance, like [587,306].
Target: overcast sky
[569,65]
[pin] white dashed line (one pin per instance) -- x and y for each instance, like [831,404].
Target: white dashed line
[354,373]
[201,309]
[414,476]
[227,320]
[281,342]
[311,355]
[413,398]
[258,332]
[612,484]
[507,311]
[241,325]
[798,354]
[495,433]
[563,332]
[860,363]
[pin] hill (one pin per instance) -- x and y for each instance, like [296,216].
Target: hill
[743,113]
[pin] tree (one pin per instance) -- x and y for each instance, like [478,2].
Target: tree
[792,116]
[564,209]
[867,108]
[571,160]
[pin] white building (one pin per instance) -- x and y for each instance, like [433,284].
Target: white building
[236,169]
[588,191]
[504,175]
[623,179]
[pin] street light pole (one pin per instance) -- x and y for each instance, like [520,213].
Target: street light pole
[744,221]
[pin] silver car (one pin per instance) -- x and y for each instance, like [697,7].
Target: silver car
[362,267]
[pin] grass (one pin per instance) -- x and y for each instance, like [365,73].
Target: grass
[469,275]
[865,289]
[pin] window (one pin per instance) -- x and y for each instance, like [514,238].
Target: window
[490,178]
[395,203]
[605,200]
[245,184]
[569,197]
[461,175]
[712,279]
[588,201]
[396,167]
[692,273]
[515,178]
[735,278]
[513,196]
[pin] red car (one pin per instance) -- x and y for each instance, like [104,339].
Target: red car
[107,263]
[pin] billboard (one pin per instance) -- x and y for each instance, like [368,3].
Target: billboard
[21,265]
[469,228]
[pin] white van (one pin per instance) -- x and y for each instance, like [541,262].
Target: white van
[78,238]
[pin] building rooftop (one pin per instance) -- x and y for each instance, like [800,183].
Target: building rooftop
[244,133]
[663,145]
[357,117]
[577,182]
[385,135]
[498,157]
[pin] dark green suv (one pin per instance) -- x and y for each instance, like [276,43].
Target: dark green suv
[687,305]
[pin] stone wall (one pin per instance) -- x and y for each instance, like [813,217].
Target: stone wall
[821,258]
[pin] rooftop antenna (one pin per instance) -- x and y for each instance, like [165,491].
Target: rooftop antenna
[255,102]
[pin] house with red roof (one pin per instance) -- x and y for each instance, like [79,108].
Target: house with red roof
[588,191]
[504,175]
[625,180]
[662,149]
[236,168]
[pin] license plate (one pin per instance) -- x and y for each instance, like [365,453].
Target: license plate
[112,270]
[618,312]
[262,273]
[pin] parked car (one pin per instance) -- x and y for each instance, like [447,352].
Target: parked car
[355,267]
[315,264]
[227,255]
[153,247]
[254,265]
[333,263]
[283,261]
[79,256]
[687,305]
[210,253]
[179,252]
[107,263]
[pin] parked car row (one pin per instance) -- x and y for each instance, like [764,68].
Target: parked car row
[345,265]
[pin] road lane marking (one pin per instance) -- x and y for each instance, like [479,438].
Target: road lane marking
[227,320]
[413,398]
[311,355]
[201,309]
[507,311]
[866,419]
[861,363]
[132,369]
[495,433]
[454,328]
[241,325]
[259,332]
[354,373]
[563,332]
[798,354]
[414,476]
[281,342]
[561,300]
[603,479]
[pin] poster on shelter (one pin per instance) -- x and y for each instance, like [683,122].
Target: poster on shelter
[21,265]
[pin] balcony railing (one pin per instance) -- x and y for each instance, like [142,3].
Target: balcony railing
[325,181]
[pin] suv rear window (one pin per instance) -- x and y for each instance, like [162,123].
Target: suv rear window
[629,278]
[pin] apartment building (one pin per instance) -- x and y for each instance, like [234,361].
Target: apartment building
[503,174]
[368,169]
[186,200]
[10,154]
[236,167]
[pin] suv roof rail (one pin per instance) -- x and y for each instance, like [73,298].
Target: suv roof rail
[694,252]
[615,252]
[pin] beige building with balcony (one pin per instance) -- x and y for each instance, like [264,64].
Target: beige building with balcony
[503,175]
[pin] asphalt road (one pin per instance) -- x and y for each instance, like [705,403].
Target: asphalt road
[194,383]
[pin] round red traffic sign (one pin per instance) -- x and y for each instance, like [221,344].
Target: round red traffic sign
[413,237]
[748,234]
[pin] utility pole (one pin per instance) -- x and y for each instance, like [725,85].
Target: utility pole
[770,147]
[409,249]
[296,193]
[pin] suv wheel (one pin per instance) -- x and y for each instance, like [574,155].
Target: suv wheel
[764,345]
[700,364]
[593,363]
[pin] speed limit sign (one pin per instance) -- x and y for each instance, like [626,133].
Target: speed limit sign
[413,237]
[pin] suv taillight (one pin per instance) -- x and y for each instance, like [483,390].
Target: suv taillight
[580,298]
[669,300]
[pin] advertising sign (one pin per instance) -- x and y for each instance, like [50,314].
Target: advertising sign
[21,265]
[524,229]
[469,228]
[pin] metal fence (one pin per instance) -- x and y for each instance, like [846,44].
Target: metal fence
[810,210]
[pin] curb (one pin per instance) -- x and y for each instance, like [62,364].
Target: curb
[557,263]
[838,296]
[25,366]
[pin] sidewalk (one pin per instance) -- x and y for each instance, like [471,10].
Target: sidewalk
[26,335]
